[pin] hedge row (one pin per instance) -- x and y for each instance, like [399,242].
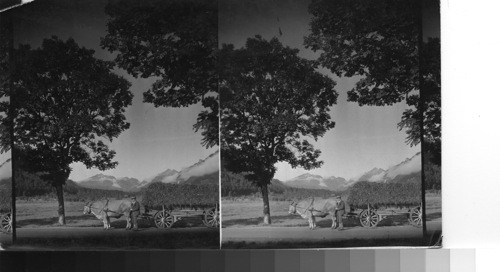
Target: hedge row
[384,194]
[180,195]
[5,195]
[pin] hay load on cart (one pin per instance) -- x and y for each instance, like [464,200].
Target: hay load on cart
[372,202]
[175,201]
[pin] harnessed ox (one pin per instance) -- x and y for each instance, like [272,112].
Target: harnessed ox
[311,208]
[106,209]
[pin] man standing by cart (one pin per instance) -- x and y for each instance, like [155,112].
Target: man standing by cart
[135,210]
[339,212]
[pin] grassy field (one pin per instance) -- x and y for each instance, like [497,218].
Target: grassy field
[245,212]
[43,213]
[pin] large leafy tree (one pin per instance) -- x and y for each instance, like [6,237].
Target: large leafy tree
[379,42]
[272,103]
[176,42]
[67,104]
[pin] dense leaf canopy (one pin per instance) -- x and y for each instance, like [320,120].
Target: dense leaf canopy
[176,42]
[67,104]
[271,102]
[379,42]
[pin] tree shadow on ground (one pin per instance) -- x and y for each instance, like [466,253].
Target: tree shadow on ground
[256,220]
[49,221]
[326,222]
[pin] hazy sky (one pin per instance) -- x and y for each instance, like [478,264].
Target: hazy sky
[364,137]
[158,138]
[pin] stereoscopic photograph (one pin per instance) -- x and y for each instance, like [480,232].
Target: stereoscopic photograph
[323,104]
[327,114]
[6,206]
[115,124]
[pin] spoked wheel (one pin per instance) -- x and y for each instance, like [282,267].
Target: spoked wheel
[368,220]
[415,216]
[163,219]
[211,218]
[6,223]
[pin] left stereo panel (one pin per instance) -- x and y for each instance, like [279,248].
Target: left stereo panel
[115,124]
[6,207]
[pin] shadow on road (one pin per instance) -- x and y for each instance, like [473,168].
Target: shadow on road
[291,221]
[49,221]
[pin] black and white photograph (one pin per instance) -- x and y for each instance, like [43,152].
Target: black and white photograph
[322,107]
[5,139]
[116,124]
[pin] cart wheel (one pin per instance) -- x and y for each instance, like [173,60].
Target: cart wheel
[6,223]
[211,218]
[163,219]
[368,220]
[415,216]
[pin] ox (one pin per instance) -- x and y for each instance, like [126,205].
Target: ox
[311,208]
[106,209]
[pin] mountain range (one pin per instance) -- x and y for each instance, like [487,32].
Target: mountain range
[406,171]
[205,171]
[6,169]
[310,181]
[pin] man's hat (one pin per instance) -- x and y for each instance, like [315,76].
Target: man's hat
[133,197]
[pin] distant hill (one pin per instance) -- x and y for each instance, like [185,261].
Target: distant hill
[309,181]
[6,169]
[105,182]
[166,176]
[205,171]
[369,176]
[30,185]
[235,185]
[408,170]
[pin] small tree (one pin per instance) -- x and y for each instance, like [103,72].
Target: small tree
[176,41]
[379,42]
[66,103]
[271,102]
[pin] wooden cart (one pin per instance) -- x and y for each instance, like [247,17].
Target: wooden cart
[370,217]
[165,218]
[372,202]
[5,212]
[173,202]
[6,222]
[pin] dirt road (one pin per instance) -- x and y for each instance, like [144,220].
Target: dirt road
[84,232]
[304,234]
[96,238]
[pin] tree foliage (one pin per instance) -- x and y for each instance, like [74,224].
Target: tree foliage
[67,103]
[379,42]
[5,195]
[271,102]
[176,42]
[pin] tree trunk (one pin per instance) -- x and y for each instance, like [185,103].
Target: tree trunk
[60,201]
[265,198]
